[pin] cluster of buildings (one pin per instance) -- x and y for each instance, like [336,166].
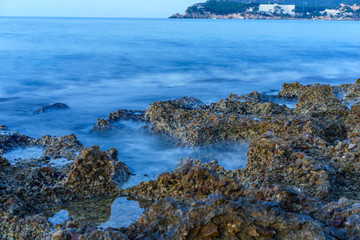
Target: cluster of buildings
[280,9]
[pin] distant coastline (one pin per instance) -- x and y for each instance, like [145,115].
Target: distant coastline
[238,9]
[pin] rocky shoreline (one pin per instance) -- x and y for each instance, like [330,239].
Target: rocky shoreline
[301,180]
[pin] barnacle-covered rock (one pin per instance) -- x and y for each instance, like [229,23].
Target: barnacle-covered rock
[273,161]
[219,218]
[31,227]
[101,126]
[124,114]
[4,163]
[60,147]
[291,90]
[90,175]
[319,101]
[191,178]
[228,121]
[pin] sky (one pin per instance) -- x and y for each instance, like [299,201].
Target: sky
[94,8]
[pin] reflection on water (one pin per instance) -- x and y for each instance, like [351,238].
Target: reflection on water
[104,213]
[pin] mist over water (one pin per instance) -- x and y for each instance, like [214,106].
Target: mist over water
[99,65]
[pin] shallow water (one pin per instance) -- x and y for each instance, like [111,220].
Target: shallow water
[104,213]
[99,65]
[23,153]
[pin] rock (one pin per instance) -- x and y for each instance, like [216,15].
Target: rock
[230,122]
[55,106]
[60,147]
[319,101]
[191,178]
[124,114]
[4,162]
[291,90]
[90,175]
[101,126]
[31,227]
[272,161]
[353,121]
[176,218]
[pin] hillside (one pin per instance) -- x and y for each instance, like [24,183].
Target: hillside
[310,3]
[250,9]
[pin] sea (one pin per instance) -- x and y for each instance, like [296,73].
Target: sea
[98,65]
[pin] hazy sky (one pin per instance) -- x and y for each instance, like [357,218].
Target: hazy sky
[94,8]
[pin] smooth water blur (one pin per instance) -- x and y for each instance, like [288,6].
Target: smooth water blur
[99,65]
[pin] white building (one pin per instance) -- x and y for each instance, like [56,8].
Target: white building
[277,8]
[332,12]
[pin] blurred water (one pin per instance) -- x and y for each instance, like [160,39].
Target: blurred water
[98,65]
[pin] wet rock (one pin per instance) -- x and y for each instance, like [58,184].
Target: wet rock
[60,147]
[273,161]
[121,172]
[11,140]
[191,178]
[101,126]
[90,175]
[55,106]
[353,121]
[124,114]
[344,157]
[291,90]
[31,227]
[319,101]
[174,218]
[228,121]
[188,102]
[4,163]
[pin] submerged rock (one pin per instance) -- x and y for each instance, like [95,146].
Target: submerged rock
[55,106]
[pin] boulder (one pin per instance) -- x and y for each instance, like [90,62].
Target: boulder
[90,175]
[53,107]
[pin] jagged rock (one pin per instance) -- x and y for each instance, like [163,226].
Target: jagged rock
[121,172]
[291,90]
[273,161]
[101,126]
[31,227]
[228,121]
[4,162]
[319,101]
[191,178]
[55,106]
[60,147]
[90,175]
[124,114]
[13,140]
[219,218]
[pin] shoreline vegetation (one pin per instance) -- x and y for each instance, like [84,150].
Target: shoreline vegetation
[301,179]
[286,9]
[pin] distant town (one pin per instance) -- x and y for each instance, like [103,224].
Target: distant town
[217,9]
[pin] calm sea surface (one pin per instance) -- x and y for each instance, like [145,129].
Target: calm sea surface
[99,65]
